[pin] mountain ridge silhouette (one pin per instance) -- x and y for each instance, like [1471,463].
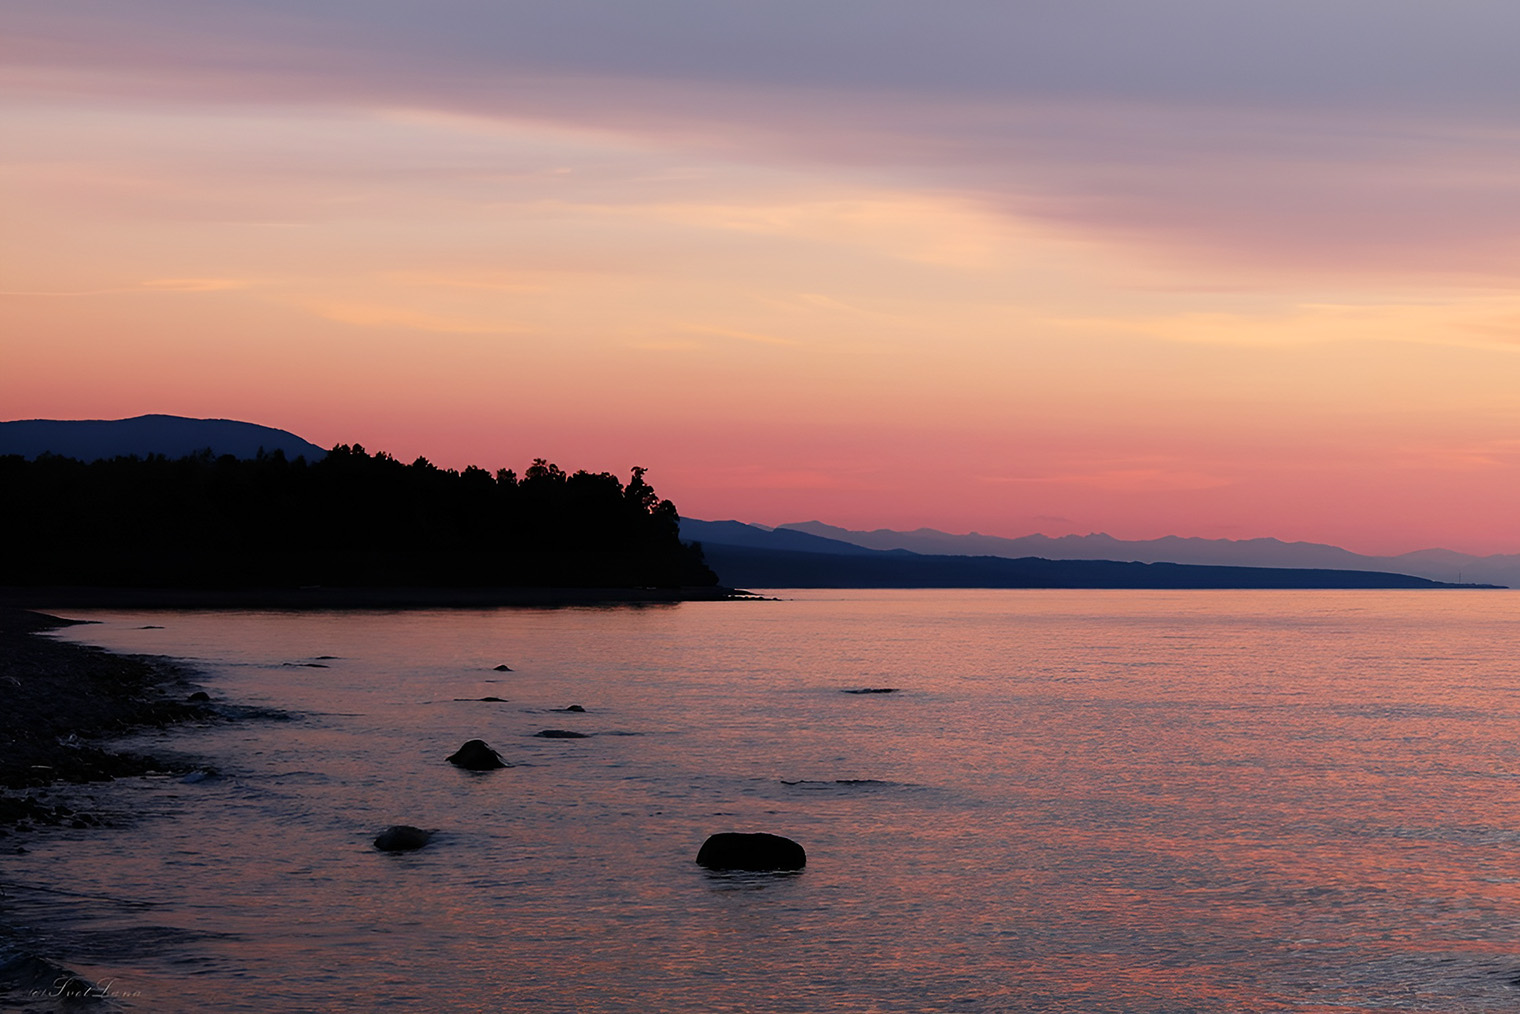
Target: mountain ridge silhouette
[173,436]
[1436,564]
[784,557]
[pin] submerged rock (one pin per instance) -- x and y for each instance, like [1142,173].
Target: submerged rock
[874,690]
[402,838]
[732,850]
[559,734]
[476,756]
[27,973]
[576,708]
[199,697]
[503,668]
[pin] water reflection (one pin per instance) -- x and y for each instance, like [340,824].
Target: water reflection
[1137,802]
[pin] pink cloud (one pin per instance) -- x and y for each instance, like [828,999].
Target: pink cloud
[1351,139]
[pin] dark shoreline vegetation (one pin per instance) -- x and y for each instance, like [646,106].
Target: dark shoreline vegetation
[354,521]
[62,702]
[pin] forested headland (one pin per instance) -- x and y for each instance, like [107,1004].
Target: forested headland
[350,520]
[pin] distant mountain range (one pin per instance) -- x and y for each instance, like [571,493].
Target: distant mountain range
[172,436]
[790,557]
[1435,564]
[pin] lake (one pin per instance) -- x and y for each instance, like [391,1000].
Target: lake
[1089,801]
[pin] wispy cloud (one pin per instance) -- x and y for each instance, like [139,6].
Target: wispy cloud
[1381,138]
[155,285]
[1464,319]
[374,315]
[737,335]
[1121,480]
[1499,453]
[196,284]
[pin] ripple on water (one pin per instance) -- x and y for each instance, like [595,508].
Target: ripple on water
[1142,803]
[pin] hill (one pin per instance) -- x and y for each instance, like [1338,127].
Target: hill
[172,436]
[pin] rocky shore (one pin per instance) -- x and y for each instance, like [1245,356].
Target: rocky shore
[61,701]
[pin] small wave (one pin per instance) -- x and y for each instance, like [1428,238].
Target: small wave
[816,785]
[254,711]
[139,942]
[300,777]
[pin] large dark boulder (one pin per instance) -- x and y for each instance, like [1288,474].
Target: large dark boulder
[734,851]
[476,756]
[402,838]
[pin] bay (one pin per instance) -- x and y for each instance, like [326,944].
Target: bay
[1074,801]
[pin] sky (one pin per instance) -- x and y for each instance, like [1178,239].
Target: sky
[1191,267]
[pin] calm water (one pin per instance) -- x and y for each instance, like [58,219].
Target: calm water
[1079,801]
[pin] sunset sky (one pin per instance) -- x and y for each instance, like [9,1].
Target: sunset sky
[1150,267]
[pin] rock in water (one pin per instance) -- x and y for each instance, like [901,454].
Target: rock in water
[476,756]
[503,668]
[402,838]
[199,697]
[559,734]
[733,851]
[27,973]
[873,690]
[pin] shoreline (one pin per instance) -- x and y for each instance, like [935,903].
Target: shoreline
[18,598]
[63,702]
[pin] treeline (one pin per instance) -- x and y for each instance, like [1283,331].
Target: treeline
[351,520]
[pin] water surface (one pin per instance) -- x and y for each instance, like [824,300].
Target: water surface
[1077,801]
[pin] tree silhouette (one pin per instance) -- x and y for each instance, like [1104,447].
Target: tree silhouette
[352,519]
